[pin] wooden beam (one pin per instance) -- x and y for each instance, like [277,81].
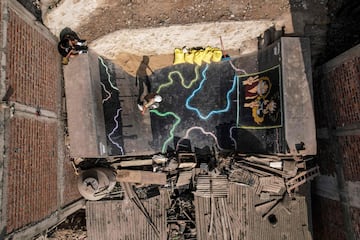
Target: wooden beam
[145,177]
[134,163]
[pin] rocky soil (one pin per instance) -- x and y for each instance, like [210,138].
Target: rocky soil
[134,14]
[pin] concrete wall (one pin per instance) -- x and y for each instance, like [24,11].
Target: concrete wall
[337,92]
[35,194]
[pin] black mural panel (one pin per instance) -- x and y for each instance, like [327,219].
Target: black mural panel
[112,109]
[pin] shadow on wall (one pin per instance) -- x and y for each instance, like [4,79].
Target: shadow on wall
[343,30]
[238,139]
[269,36]
[142,78]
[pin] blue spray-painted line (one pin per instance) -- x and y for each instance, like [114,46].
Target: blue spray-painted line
[205,117]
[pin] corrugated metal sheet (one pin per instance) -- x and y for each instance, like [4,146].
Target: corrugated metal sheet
[245,222]
[121,219]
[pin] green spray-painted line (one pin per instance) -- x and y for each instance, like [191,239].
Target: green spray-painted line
[178,120]
[187,86]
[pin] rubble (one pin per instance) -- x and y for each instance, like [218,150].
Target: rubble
[272,181]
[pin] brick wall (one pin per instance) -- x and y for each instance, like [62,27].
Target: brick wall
[1,29]
[344,100]
[33,69]
[342,106]
[328,219]
[337,95]
[355,219]
[350,151]
[33,66]
[32,178]
[339,105]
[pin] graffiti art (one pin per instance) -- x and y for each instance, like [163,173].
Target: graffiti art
[260,99]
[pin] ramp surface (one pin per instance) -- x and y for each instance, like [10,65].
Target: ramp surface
[248,104]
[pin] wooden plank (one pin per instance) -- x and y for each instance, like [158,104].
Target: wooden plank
[272,184]
[273,170]
[265,207]
[145,177]
[251,169]
[187,160]
[212,186]
[184,178]
[135,163]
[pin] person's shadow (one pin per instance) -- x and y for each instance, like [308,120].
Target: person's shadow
[142,79]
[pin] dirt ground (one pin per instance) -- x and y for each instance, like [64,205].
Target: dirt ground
[332,25]
[103,17]
[151,13]
[113,15]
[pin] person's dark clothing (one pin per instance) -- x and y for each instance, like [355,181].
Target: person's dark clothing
[64,47]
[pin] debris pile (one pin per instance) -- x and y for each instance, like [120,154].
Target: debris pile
[272,174]
[274,178]
[199,188]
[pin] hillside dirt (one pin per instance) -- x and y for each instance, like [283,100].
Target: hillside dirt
[136,14]
[94,19]
[331,25]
